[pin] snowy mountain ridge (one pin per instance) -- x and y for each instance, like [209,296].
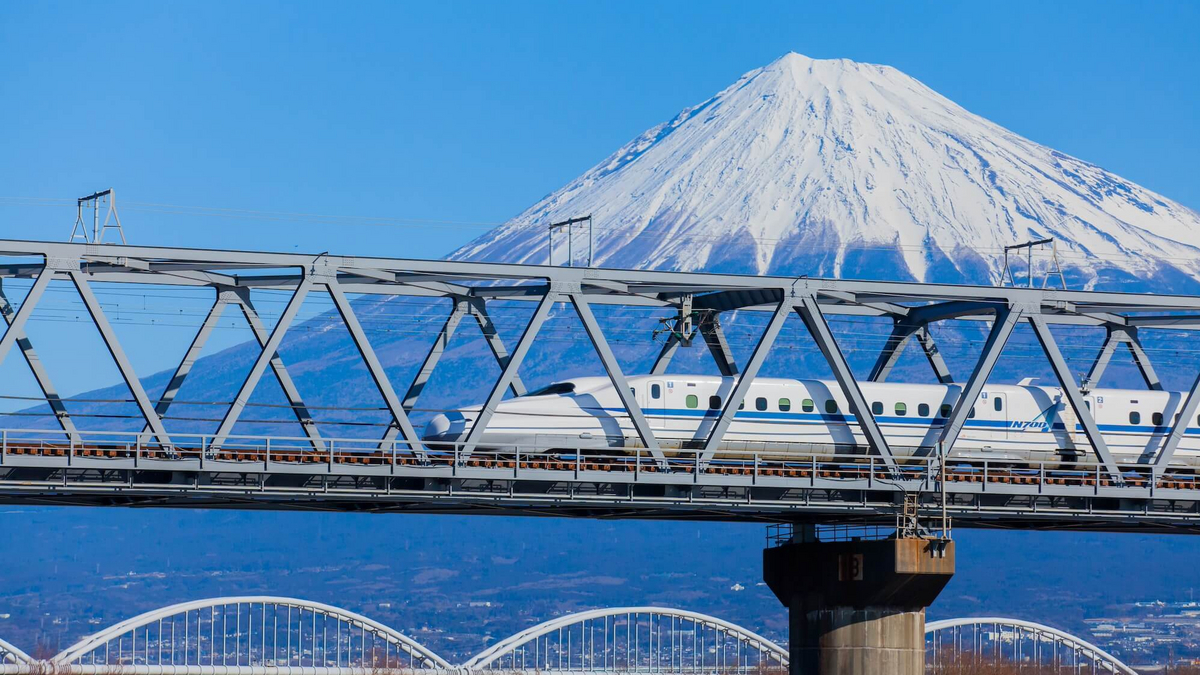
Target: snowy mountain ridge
[843,169]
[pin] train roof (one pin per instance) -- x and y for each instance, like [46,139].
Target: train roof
[591,383]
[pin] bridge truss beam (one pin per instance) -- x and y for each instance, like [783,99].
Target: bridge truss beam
[670,490]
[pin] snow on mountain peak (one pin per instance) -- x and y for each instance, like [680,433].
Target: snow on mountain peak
[838,168]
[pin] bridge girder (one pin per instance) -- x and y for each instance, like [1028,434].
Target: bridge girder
[471,286]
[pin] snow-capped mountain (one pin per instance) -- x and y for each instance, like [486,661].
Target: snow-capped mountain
[837,168]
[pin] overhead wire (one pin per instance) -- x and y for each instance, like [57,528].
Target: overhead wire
[512,225]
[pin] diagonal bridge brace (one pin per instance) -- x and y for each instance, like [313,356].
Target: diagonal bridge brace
[324,275]
[553,295]
[463,306]
[809,309]
[734,401]
[37,368]
[713,335]
[58,268]
[902,331]
[1073,393]
[1128,336]
[1002,328]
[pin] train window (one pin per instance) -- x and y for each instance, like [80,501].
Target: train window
[692,401]
[760,403]
[923,410]
[742,405]
[944,411]
[1135,417]
[831,406]
[1156,419]
[1087,404]
[972,413]
[655,391]
[901,408]
[785,404]
[714,402]
[877,408]
[998,403]
[807,405]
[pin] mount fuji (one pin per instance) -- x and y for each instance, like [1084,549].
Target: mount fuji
[842,169]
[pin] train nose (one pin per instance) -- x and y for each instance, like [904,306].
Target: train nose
[445,427]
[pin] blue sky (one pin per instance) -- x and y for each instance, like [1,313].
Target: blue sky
[471,112]
[392,115]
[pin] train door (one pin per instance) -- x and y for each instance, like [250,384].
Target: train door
[999,413]
[656,405]
[1070,422]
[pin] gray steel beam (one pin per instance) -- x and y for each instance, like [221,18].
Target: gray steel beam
[1002,328]
[665,355]
[16,324]
[1111,340]
[735,398]
[1115,337]
[509,372]
[35,366]
[1142,360]
[1179,321]
[118,355]
[933,355]
[806,305]
[295,402]
[1179,427]
[892,349]
[375,368]
[723,301]
[478,309]
[192,354]
[269,349]
[718,346]
[881,307]
[613,368]
[440,343]
[940,311]
[636,280]
[1071,389]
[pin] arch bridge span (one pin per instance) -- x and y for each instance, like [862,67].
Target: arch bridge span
[633,639]
[984,640]
[248,635]
[12,659]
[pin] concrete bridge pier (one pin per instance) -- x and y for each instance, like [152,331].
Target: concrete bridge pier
[858,607]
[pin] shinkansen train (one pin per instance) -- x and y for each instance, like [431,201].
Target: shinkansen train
[1017,423]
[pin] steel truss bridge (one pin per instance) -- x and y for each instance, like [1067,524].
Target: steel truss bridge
[399,473]
[264,635]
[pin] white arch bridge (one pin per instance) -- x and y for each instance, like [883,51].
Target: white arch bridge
[266,635]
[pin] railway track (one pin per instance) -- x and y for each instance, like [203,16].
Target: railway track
[799,467]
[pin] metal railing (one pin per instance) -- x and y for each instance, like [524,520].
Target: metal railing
[267,453]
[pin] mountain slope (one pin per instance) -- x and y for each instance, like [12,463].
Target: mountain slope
[842,169]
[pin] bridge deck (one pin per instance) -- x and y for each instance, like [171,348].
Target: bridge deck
[280,473]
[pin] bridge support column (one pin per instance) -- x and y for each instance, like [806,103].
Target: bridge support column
[858,607]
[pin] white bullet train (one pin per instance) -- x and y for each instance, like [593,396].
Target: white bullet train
[1008,423]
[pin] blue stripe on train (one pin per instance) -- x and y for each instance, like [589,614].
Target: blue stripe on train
[815,418]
